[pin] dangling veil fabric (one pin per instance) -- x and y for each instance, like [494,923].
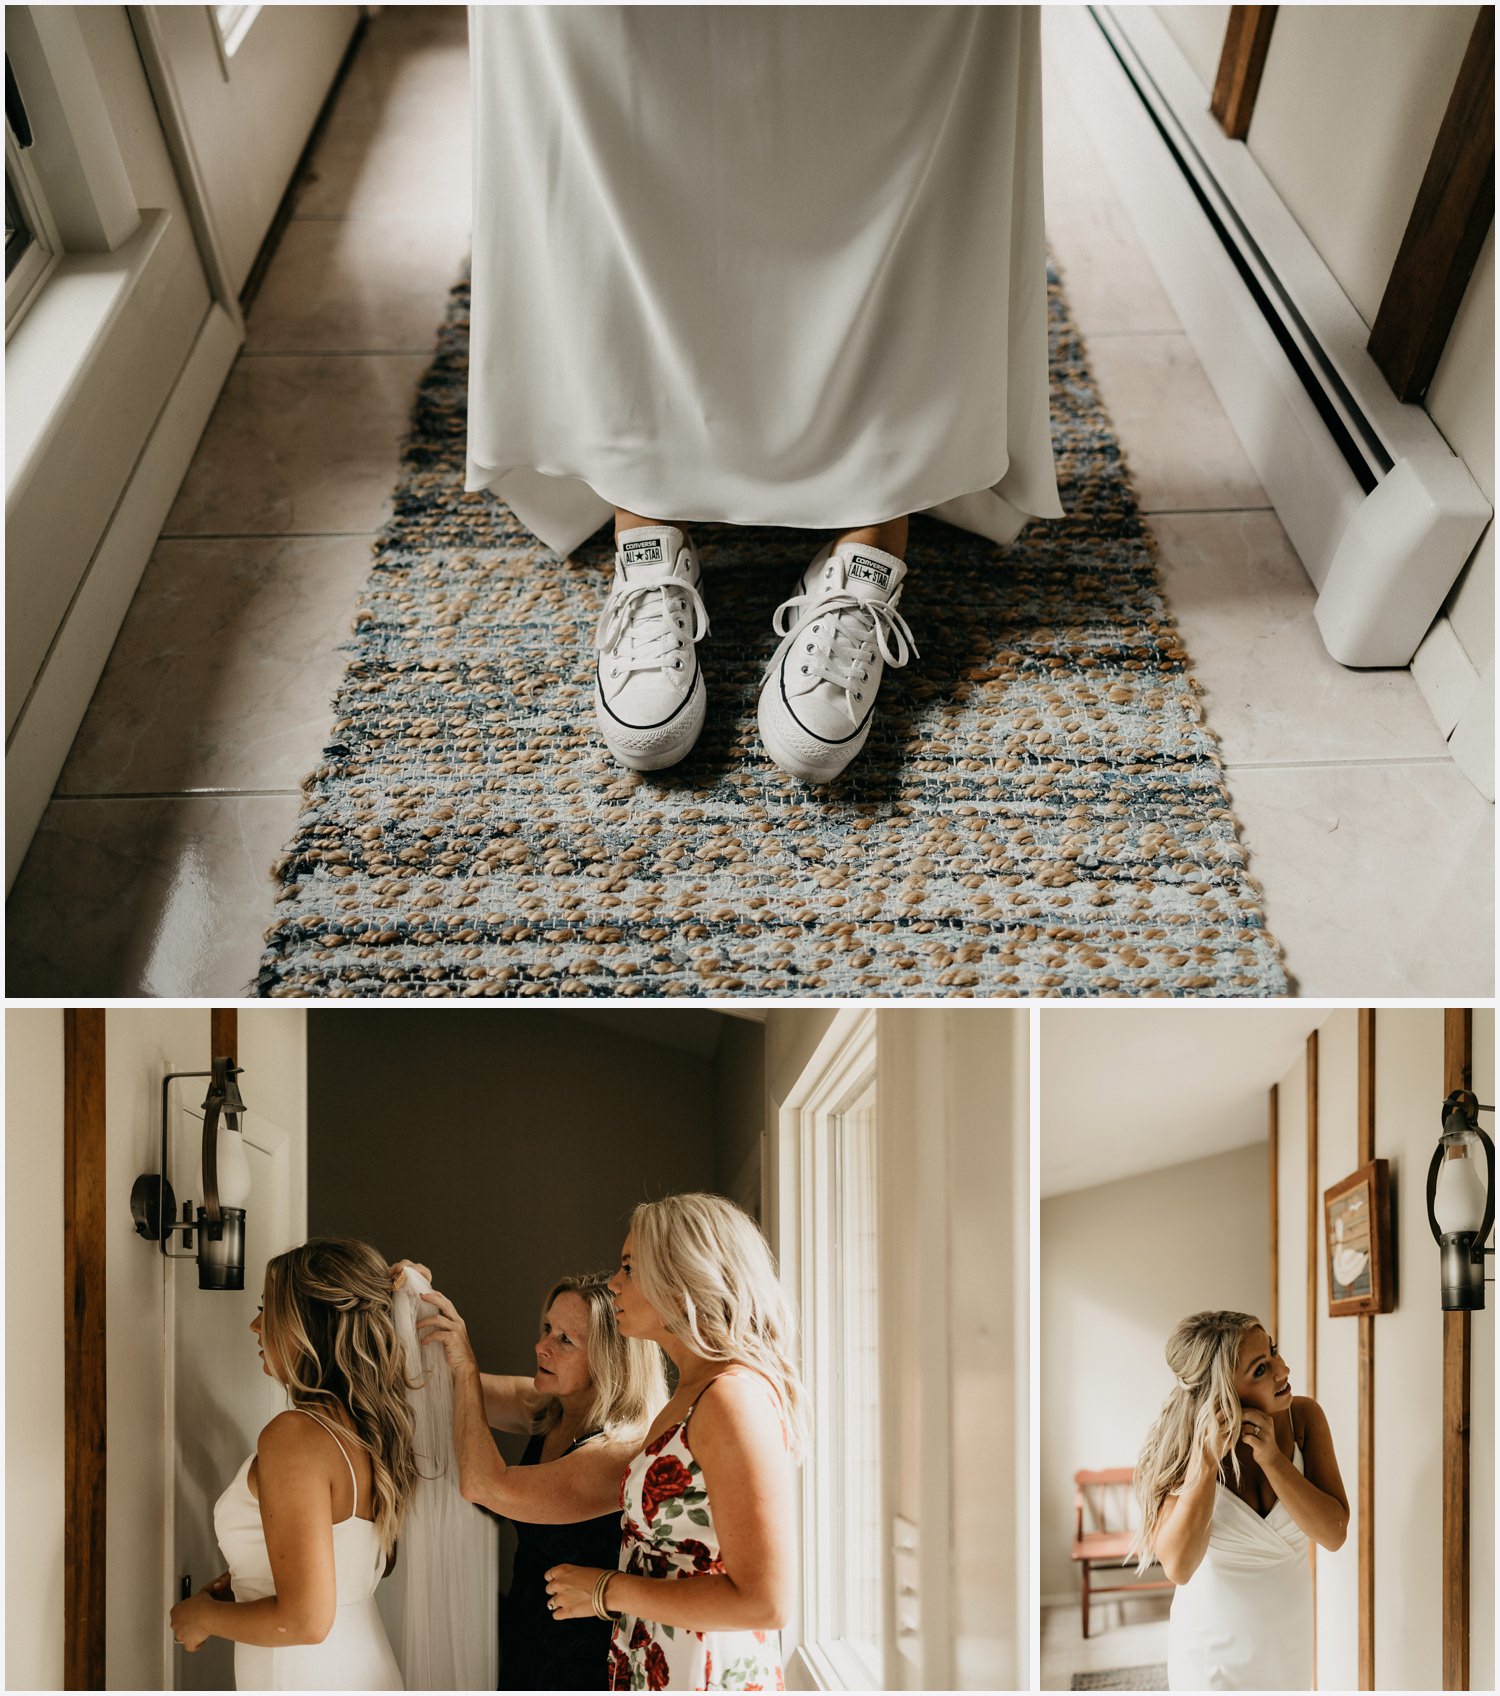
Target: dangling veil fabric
[440,1604]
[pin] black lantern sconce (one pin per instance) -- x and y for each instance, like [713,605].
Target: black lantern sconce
[220,1221]
[1461,1200]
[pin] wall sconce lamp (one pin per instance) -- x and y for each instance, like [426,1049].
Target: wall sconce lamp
[220,1221]
[1461,1199]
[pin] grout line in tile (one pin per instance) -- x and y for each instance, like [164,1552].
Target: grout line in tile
[266,535]
[179,795]
[1192,511]
[1376,760]
[335,353]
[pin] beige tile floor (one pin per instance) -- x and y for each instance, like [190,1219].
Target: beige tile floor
[147,876]
[1121,1634]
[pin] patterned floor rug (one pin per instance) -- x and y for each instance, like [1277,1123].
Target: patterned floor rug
[1040,809]
[1122,1678]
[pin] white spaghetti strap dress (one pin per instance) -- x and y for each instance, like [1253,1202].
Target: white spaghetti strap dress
[356,1654]
[776,265]
[1244,1620]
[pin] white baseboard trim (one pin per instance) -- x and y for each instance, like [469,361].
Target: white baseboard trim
[1472,743]
[45,729]
[1382,523]
[1445,675]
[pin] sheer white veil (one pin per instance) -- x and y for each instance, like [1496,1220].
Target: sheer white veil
[440,1605]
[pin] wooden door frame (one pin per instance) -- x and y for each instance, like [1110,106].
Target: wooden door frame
[84,1358]
[1458,1063]
[85,1336]
[1365,1578]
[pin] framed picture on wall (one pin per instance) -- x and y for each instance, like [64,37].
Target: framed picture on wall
[1357,1228]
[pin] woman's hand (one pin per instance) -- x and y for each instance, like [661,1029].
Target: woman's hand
[445,1325]
[192,1620]
[1258,1433]
[400,1267]
[570,1591]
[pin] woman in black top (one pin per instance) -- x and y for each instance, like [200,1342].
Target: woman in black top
[588,1406]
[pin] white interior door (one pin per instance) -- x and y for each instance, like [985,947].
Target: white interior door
[246,84]
[218,1398]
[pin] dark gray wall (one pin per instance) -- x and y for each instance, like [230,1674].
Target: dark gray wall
[506,1146]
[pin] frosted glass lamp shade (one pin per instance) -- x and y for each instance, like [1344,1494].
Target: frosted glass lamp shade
[1462,1185]
[234,1168]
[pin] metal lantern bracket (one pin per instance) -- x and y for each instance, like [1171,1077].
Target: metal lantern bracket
[153,1204]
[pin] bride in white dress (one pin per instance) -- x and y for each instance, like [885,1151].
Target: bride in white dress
[309,1523]
[1237,1476]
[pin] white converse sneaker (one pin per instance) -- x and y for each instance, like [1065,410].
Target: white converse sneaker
[840,629]
[649,695]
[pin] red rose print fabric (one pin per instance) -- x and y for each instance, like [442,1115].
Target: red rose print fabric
[668,1532]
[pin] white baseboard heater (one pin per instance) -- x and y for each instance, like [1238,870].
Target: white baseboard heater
[1381,511]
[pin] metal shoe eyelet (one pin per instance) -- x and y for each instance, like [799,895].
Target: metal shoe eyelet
[804,671]
[676,665]
[811,647]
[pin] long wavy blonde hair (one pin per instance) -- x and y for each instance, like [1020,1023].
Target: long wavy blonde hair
[1200,1411]
[704,1266]
[329,1329]
[630,1382]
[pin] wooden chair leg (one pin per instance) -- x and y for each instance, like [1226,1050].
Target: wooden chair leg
[1085,1566]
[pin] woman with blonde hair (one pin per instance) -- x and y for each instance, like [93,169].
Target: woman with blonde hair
[707,1546]
[1236,1477]
[309,1523]
[586,1410]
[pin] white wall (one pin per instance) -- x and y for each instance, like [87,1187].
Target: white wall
[1350,102]
[951,1087]
[34,1308]
[222,1399]
[1338,1352]
[1408,1358]
[140,1045]
[1199,32]
[1121,1264]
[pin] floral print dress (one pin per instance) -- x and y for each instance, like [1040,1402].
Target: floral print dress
[668,1529]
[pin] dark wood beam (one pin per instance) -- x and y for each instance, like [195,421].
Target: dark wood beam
[1458,1055]
[84,1424]
[1366,1568]
[1273,1131]
[224,1031]
[1241,61]
[1314,1210]
[1314,1260]
[1449,219]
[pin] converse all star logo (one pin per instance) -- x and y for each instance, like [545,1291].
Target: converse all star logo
[643,553]
[869,570]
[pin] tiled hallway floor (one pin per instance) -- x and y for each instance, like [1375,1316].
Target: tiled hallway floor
[1122,1634]
[149,875]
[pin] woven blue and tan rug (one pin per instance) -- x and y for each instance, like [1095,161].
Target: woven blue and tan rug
[1040,809]
[1123,1678]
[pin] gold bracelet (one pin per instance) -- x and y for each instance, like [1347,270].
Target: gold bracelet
[601,1609]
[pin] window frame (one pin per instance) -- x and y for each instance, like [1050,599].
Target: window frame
[840,1074]
[44,250]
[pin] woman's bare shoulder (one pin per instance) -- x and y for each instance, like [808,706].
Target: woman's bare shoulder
[291,1436]
[1307,1416]
[741,1399]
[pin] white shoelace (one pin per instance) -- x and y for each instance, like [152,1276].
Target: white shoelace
[841,655]
[643,626]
